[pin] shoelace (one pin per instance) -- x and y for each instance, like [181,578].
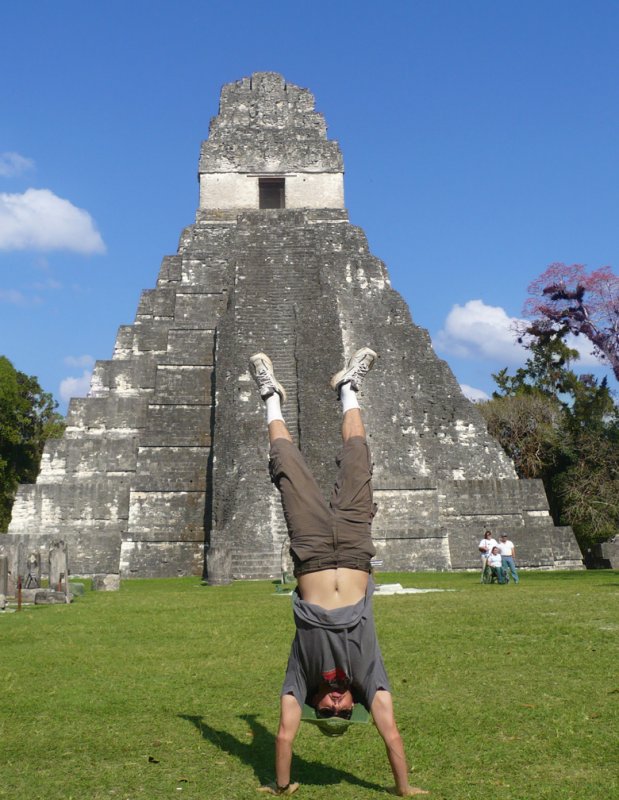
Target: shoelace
[263,378]
[362,369]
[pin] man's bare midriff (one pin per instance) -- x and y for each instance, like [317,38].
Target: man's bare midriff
[333,588]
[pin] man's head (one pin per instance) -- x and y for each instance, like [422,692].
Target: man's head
[333,709]
[335,700]
[332,725]
[503,537]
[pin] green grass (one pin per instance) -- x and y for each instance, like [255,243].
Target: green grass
[170,689]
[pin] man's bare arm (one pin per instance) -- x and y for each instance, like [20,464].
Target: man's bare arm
[289,721]
[384,719]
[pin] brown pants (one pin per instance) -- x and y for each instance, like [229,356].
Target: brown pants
[326,536]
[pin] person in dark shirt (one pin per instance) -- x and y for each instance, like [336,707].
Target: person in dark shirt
[335,660]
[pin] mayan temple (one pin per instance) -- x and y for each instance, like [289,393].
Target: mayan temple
[163,467]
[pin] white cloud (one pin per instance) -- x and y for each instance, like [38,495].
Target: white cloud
[13,297]
[40,220]
[585,350]
[12,164]
[476,330]
[79,361]
[75,387]
[479,331]
[16,298]
[473,394]
[43,286]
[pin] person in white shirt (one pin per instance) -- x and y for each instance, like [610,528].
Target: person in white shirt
[508,555]
[496,566]
[485,547]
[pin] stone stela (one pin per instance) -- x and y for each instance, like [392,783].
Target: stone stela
[4,576]
[161,471]
[33,572]
[58,566]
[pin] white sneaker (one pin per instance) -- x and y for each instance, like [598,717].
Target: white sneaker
[261,368]
[357,367]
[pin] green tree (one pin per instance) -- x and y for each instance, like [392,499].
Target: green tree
[28,417]
[564,429]
[527,424]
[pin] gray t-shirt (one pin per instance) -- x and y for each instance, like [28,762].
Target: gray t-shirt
[338,647]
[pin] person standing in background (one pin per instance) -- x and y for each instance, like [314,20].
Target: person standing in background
[508,556]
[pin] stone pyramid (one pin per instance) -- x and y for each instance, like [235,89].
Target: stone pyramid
[162,469]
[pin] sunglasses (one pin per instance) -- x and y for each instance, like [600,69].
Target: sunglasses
[327,713]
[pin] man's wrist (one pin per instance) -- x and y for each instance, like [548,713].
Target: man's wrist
[279,790]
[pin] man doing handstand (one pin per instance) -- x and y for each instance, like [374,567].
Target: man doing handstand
[335,660]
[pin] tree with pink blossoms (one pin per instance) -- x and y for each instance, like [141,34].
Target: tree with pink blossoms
[557,425]
[568,299]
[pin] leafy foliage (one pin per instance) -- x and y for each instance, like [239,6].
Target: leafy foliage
[28,417]
[527,425]
[564,429]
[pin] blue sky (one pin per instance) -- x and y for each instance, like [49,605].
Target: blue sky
[479,140]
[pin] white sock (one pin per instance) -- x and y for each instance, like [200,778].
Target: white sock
[348,398]
[274,408]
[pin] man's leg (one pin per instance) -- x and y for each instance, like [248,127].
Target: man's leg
[307,515]
[352,499]
[272,394]
[510,565]
[352,422]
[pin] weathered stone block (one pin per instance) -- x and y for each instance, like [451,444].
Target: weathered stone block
[151,336]
[408,555]
[193,347]
[124,342]
[180,425]
[406,514]
[106,583]
[123,376]
[211,270]
[162,516]
[46,597]
[157,303]
[166,469]
[58,564]
[183,385]
[4,575]
[199,310]
[565,549]
[100,455]
[106,413]
[170,271]
[161,559]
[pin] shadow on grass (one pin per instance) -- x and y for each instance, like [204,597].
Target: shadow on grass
[259,754]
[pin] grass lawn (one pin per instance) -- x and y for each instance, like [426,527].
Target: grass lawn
[169,689]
